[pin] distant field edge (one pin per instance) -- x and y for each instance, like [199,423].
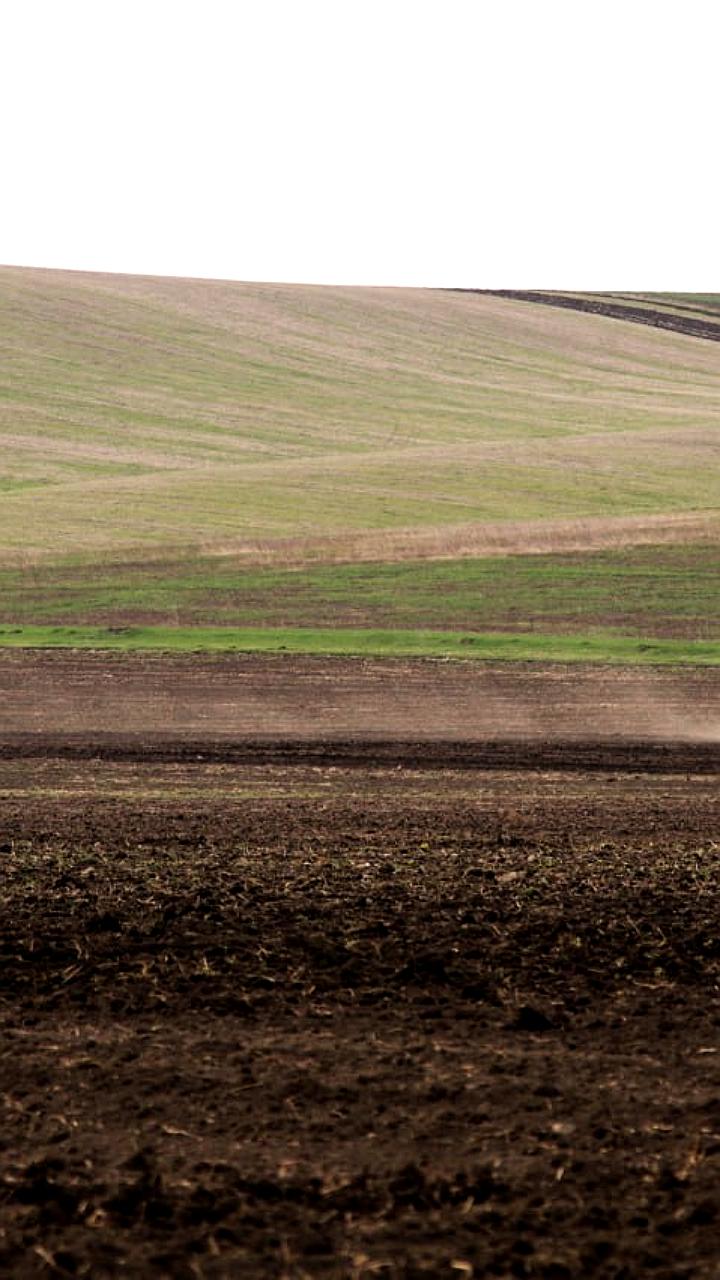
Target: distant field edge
[599,646]
[607,305]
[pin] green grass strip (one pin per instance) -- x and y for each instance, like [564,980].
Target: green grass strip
[590,647]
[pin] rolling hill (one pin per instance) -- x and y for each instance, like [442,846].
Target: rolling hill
[165,443]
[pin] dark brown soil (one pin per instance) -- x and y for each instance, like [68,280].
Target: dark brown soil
[351,1008]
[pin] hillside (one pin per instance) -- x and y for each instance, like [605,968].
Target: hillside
[695,315]
[150,426]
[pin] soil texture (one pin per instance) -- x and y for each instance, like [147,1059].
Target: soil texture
[311,1004]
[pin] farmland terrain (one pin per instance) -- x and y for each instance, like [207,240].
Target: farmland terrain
[345,966]
[326,969]
[697,315]
[191,452]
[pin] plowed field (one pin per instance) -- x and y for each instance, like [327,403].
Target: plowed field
[339,969]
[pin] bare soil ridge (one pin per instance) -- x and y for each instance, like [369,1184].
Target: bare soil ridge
[228,699]
[597,755]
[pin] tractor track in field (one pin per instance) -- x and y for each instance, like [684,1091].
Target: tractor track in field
[520,755]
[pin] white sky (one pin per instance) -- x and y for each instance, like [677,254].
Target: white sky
[495,143]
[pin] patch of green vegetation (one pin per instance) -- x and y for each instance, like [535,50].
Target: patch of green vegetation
[10,485]
[644,591]
[592,647]
[46,472]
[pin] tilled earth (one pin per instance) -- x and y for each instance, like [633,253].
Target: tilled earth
[348,1009]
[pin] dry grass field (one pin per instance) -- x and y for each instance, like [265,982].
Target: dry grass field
[141,414]
[188,453]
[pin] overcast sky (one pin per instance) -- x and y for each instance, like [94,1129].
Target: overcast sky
[547,143]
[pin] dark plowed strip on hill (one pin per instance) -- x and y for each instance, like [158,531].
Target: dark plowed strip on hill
[688,325]
[621,756]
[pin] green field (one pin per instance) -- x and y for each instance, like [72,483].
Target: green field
[344,642]
[669,591]
[199,454]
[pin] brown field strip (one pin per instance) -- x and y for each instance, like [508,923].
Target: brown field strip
[236,698]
